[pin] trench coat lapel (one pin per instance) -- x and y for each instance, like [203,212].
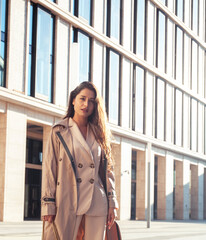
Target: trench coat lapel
[77,134]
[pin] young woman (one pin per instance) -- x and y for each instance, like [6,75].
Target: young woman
[77,178]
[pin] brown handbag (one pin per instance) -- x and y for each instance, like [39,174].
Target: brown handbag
[113,233]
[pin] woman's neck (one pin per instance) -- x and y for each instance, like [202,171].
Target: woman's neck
[81,122]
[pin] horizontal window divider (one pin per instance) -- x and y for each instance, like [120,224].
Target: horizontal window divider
[178,21]
[76,22]
[129,134]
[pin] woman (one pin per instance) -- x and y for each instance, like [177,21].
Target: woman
[77,180]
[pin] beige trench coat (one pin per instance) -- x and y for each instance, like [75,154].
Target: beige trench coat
[59,186]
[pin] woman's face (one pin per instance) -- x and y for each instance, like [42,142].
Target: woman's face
[84,103]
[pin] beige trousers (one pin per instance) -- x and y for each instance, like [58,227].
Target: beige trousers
[95,227]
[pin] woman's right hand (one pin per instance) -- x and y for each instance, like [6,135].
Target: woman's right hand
[49,218]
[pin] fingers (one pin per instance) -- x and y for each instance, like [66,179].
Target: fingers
[111,217]
[49,218]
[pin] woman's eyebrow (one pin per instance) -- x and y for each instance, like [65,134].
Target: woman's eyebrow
[85,97]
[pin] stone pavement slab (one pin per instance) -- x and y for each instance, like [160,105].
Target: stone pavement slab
[131,230]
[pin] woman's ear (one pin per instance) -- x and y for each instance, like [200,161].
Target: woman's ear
[73,102]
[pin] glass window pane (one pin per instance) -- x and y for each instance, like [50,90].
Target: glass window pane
[179,8]
[195,6]
[178,117]
[205,129]
[30,50]
[139,100]
[85,9]
[2,40]
[179,55]
[34,151]
[84,57]
[161,41]
[115,19]
[113,88]
[140,27]
[194,65]
[193,125]
[43,55]
[160,106]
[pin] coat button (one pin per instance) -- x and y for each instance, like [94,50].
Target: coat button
[79,180]
[92,165]
[91,180]
[58,183]
[60,159]
[80,165]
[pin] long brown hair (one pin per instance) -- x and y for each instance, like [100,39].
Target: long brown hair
[98,119]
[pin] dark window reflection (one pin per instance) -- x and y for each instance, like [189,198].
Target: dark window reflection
[32,203]
[34,151]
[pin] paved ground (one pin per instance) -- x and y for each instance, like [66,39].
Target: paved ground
[131,230]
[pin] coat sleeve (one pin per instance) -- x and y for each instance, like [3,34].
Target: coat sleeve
[111,190]
[49,176]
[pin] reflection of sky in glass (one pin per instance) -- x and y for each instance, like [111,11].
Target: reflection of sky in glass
[115,19]
[194,65]
[205,128]
[161,41]
[84,49]
[140,26]
[43,52]
[30,50]
[195,15]
[3,15]
[2,38]
[139,99]
[178,118]
[194,125]
[179,7]
[179,54]
[113,87]
[84,9]
[160,108]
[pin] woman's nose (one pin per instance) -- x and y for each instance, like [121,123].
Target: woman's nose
[86,103]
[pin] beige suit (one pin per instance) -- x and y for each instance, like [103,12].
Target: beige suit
[59,182]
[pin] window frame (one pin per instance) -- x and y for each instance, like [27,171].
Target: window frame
[108,50]
[34,53]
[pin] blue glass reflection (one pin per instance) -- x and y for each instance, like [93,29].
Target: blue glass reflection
[30,50]
[140,27]
[115,19]
[179,54]
[195,16]
[2,42]
[161,41]
[43,55]
[84,57]
[85,9]
[113,87]
[139,99]
[179,9]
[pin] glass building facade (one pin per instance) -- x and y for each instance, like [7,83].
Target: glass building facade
[148,60]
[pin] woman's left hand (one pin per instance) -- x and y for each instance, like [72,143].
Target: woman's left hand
[112,214]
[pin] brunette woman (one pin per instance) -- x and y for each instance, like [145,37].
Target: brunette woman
[77,179]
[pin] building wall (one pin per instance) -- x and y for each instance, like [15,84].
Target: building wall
[156,98]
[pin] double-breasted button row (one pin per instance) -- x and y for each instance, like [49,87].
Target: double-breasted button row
[80,165]
[92,165]
[91,180]
[79,180]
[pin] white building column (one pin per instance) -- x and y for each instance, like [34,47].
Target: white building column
[200,191]
[169,185]
[186,189]
[125,198]
[15,164]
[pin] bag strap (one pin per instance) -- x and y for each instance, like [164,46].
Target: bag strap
[67,150]
[56,234]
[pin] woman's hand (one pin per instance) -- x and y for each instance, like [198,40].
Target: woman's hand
[49,218]
[112,214]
